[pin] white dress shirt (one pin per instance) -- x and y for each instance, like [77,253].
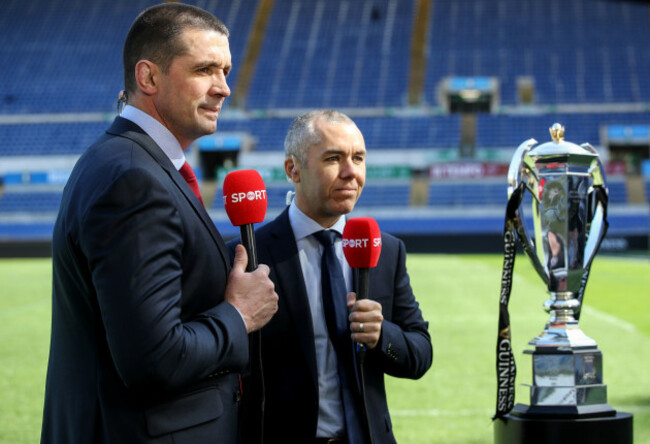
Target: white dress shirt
[163,138]
[331,418]
[158,132]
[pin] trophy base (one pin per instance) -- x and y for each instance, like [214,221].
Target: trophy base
[563,411]
[567,384]
[532,429]
[564,336]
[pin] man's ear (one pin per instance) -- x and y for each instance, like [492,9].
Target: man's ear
[147,76]
[292,169]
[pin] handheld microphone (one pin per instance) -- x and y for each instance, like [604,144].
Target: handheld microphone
[245,201]
[362,247]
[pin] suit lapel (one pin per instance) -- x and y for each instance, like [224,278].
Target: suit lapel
[284,252]
[125,128]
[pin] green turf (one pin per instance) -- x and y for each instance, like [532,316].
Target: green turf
[454,401]
[25,287]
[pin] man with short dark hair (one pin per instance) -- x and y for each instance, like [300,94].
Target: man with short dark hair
[150,322]
[311,377]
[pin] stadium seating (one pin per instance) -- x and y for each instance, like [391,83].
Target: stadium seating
[354,55]
[48,138]
[379,132]
[336,54]
[617,191]
[468,194]
[581,51]
[385,194]
[59,59]
[276,194]
[511,130]
[30,202]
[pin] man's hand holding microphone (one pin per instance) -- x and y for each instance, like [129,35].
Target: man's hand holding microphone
[249,288]
[362,247]
[252,293]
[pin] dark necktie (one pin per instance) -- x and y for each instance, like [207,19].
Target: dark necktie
[188,174]
[336,317]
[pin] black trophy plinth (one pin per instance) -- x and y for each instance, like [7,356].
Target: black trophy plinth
[522,427]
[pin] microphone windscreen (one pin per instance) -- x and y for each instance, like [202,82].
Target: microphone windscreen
[362,242]
[244,197]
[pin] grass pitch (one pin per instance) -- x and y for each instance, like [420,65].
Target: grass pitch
[459,294]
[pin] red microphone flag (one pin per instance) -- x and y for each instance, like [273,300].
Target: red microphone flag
[362,242]
[244,197]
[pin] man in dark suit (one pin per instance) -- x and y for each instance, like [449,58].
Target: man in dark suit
[149,321]
[306,397]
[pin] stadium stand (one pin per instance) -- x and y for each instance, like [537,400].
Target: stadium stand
[499,131]
[63,59]
[388,194]
[579,52]
[468,194]
[339,54]
[30,202]
[48,138]
[589,62]
[379,132]
[617,191]
[277,195]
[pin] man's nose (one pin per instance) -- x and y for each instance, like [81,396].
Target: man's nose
[350,169]
[220,86]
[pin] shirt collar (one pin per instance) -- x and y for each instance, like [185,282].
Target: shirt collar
[158,132]
[304,226]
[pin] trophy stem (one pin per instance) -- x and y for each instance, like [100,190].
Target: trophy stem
[562,306]
[562,332]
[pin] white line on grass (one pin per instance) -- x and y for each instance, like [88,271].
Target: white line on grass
[487,412]
[610,319]
[633,408]
[22,308]
[438,412]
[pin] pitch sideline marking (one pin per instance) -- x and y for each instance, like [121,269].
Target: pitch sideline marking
[22,308]
[488,413]
[611,319]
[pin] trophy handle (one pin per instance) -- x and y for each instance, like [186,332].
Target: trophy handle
[597,220]
[522,175]
[515,170]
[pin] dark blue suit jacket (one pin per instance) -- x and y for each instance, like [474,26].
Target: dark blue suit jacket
[144,348]
[288,353]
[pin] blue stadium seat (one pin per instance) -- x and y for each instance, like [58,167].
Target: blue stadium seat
[617,191]
[276,194]
[464,194]
[74,65]
[493,130]
[388,194]
[49,138]
[31,201]
[585,52]
[334,54]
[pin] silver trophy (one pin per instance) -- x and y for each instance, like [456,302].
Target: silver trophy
[561,235]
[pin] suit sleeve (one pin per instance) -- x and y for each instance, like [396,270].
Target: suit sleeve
[404,348]
[132,237]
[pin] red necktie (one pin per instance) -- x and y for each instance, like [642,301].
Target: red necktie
[188,174]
